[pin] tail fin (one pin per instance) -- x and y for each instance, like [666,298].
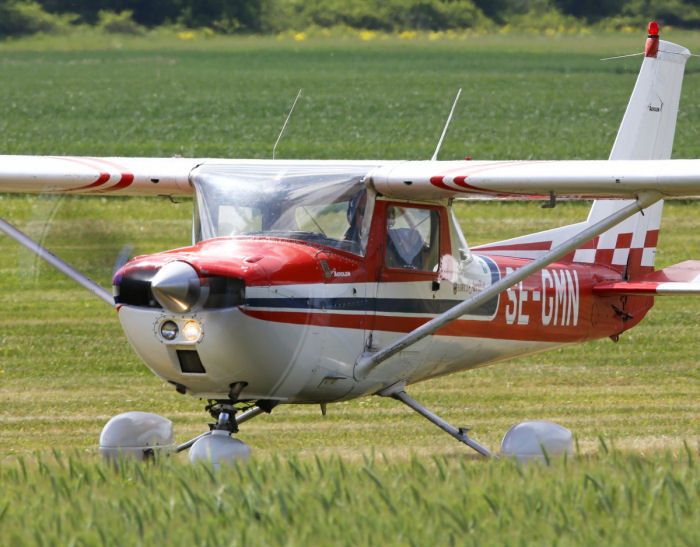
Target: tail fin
[646,133]
[649,123]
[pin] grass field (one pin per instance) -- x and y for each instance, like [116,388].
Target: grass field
[615,500]
[65,366]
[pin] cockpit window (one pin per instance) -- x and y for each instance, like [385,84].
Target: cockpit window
[319,204]
[412,238]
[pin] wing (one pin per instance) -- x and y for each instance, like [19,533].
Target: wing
[413,180]
[430,180]
[85,175]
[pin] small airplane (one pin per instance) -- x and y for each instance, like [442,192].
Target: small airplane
[311,282]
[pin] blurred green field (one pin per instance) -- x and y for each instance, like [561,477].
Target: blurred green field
[66,368]
[617,500]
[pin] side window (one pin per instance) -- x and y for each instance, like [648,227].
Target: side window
[413,241]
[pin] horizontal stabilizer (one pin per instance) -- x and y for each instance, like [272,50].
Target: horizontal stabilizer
[682,278]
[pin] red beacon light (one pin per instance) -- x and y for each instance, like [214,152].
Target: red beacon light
[653,29]
[652,46]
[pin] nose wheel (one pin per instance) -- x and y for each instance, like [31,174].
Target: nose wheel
[218,445]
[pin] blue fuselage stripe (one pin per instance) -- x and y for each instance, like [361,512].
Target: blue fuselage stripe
[429,306]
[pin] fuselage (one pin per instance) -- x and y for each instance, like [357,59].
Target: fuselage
[290,317]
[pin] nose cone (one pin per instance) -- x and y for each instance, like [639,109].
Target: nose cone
[176,286]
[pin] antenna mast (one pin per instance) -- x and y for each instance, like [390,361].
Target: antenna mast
[447,124]
[274,148]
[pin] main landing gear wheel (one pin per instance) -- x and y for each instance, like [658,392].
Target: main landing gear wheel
[137,435]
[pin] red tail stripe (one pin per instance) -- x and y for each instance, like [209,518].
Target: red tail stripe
[624,241]
[651,239]
[604,256]
[635,257]
[592,244]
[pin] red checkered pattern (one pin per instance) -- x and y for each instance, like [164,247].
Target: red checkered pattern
[619,251]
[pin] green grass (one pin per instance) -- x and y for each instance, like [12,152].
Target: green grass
[616,500]
[66,368]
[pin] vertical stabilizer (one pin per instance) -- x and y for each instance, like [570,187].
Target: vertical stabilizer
[649,124]
[646,133]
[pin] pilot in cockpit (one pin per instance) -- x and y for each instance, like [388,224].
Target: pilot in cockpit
[355,214]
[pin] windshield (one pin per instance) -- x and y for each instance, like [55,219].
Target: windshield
[316,203]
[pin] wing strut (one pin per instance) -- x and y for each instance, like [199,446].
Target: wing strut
[369,361]
[62,266]
[397,392]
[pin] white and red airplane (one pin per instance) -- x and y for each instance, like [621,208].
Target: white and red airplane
[323,281]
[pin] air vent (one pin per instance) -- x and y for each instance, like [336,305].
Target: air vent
[190,363]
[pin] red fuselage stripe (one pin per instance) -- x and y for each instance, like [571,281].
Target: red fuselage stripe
[458,328]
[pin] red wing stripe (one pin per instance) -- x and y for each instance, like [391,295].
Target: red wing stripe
[438,181]
[125,182]
[126,179]
[101,179]
[460,179]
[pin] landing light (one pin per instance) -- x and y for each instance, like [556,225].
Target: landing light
[169,330]
[192,331]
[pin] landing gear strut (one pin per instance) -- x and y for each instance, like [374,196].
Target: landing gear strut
[226,421]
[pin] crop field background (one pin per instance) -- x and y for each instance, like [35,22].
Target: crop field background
[371,470]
